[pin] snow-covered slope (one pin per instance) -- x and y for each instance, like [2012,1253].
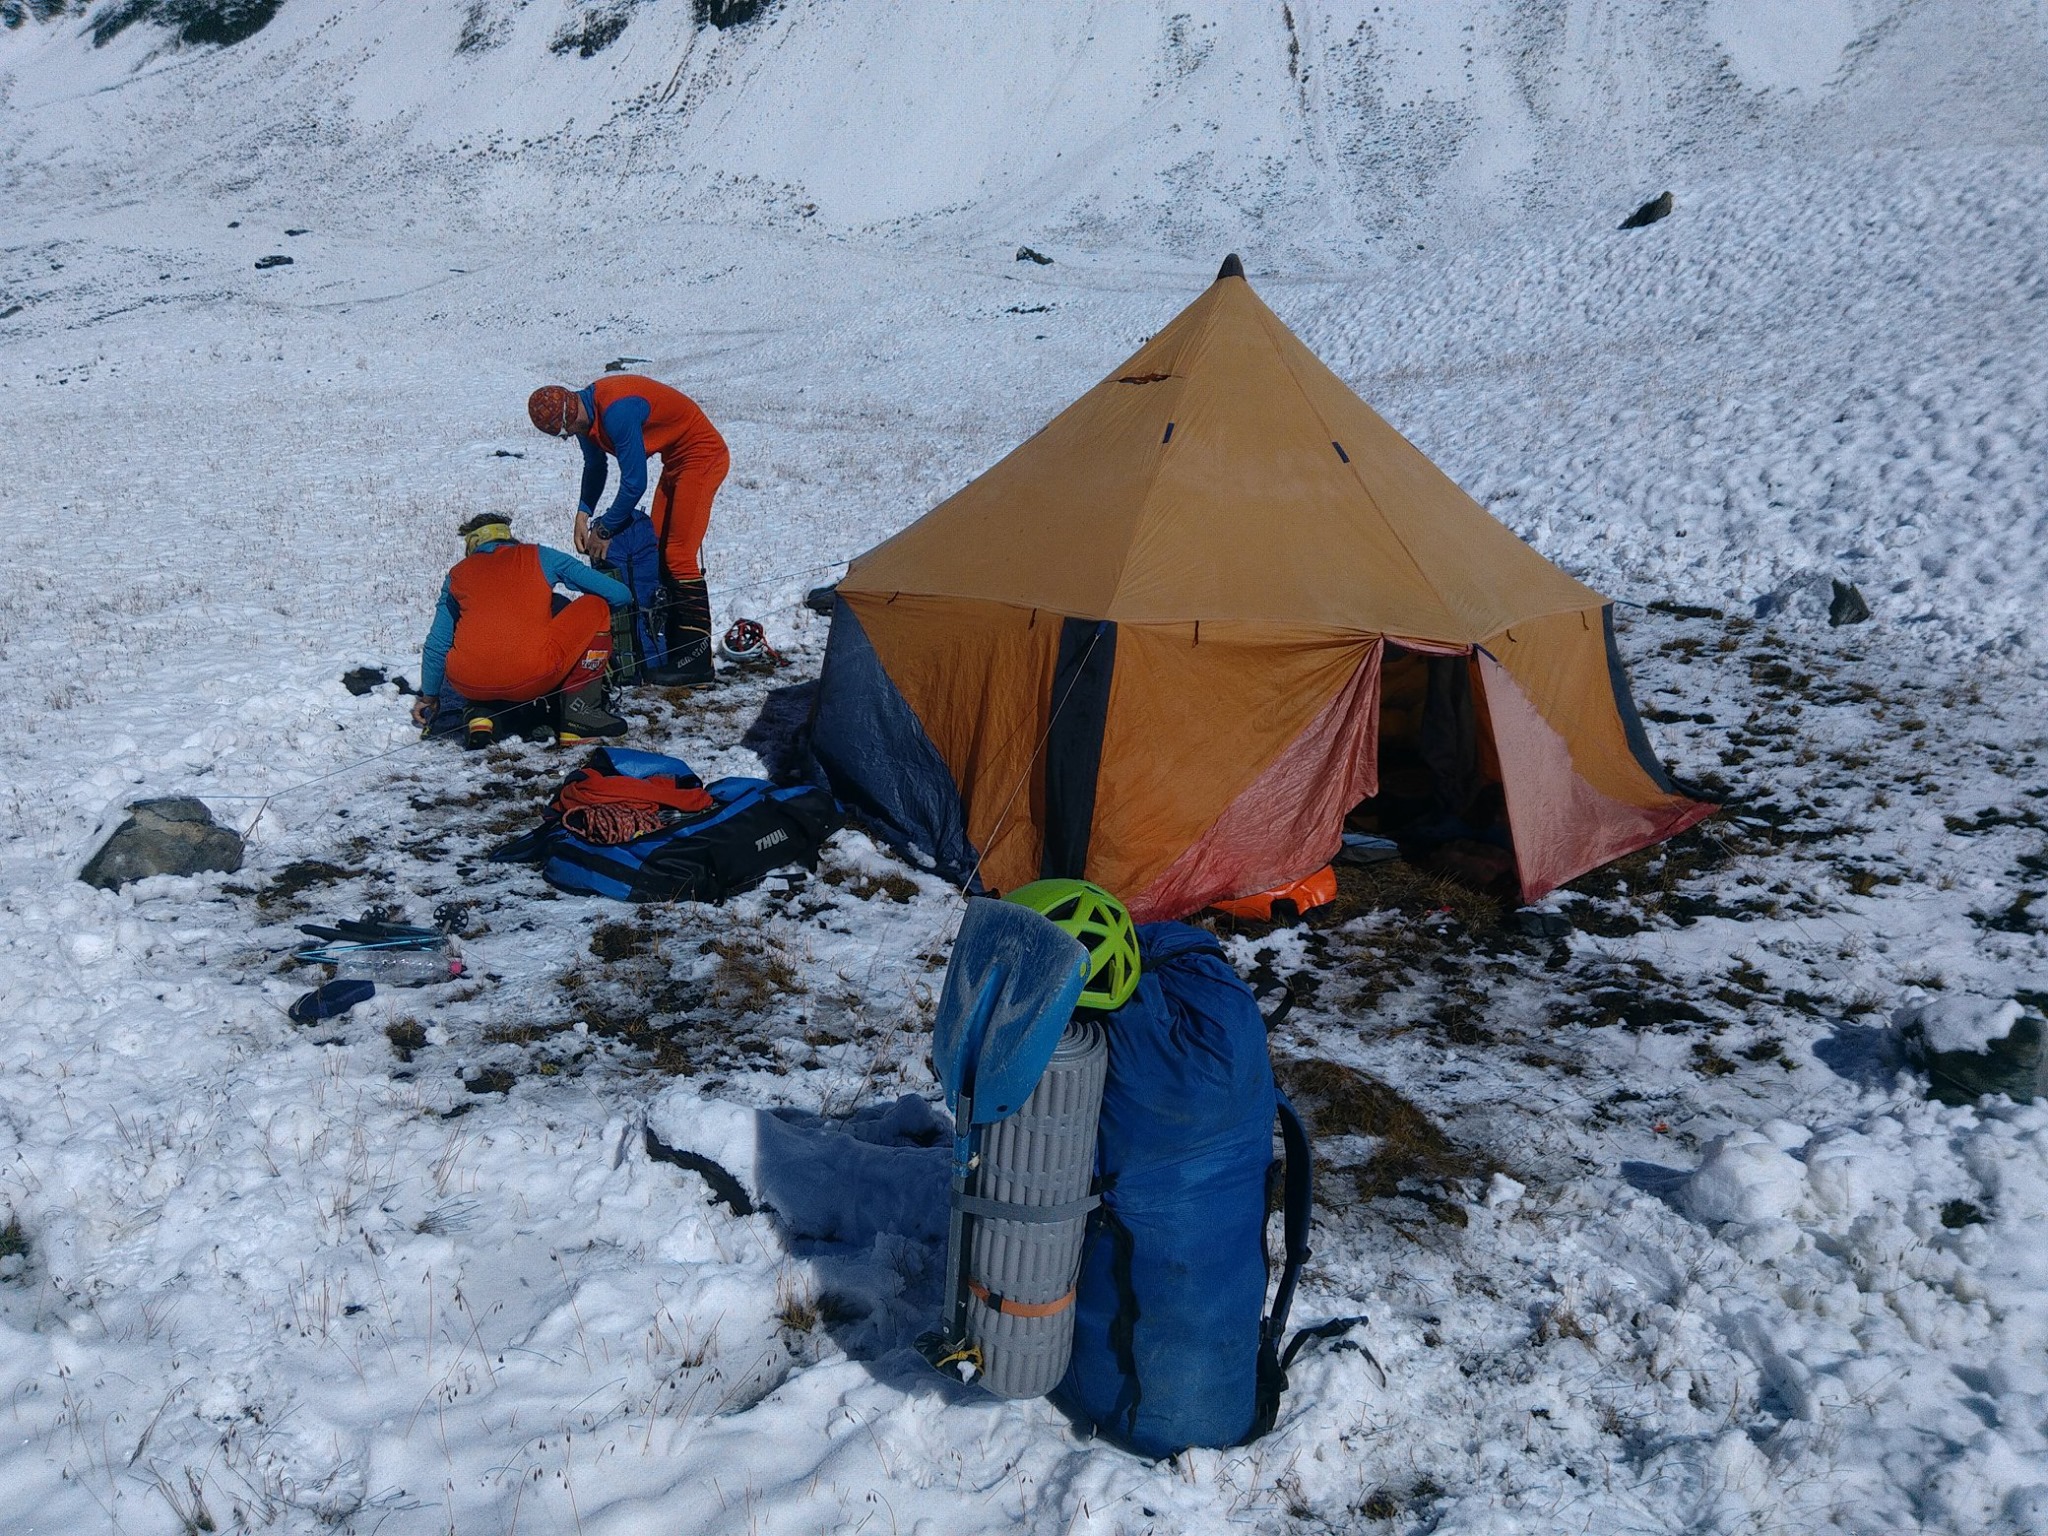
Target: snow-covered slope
[1737,1275]
[1309,132]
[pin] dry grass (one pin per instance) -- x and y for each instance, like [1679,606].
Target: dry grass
[303,875]
[623,940]
[752,974]
[682,1024]
[1399,886]
[1413,1156]
[1709,1062]
[1560,1322]
[621,1012]
[796,1303]
[865,886]
[520,1034]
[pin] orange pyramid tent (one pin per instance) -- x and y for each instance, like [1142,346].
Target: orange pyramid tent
[1167,642]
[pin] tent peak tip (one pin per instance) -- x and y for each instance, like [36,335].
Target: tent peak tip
[1231,267]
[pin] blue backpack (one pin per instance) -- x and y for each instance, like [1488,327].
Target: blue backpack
[1173,1344]
[750,828]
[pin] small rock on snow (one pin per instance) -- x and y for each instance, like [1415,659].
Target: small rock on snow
[1848,606]
[1658,207]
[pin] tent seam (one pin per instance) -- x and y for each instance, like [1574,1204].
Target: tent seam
[1547,613]
[1191,350]
[1267,319]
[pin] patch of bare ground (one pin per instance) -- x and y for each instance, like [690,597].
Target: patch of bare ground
[679,1016]
[1412,1159]
[865,886]
[281,893]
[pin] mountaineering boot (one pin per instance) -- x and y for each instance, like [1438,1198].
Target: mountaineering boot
[625,666]
[688,638]
[584,716]
[479,728]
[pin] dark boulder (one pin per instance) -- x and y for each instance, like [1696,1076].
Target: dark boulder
[1656,208]
[592,33]
[1541,925]
[172,836]
[263,263]
[191,22]
[1025,253]
[727,13]
[1972,1046]
[1848,606]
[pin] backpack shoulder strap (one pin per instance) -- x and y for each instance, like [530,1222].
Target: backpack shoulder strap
[1297,1201]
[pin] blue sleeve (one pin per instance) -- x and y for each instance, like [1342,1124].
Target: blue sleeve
[624,420]
[567,571]
[434,654]
[595,472]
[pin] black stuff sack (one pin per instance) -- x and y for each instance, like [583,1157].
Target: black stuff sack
[750,829]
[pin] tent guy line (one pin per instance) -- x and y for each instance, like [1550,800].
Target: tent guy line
[1038,751]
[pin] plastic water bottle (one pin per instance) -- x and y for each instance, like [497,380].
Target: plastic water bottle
[397,967]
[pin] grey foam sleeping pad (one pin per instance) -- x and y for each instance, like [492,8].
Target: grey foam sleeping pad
[176,835]
[1042,1156]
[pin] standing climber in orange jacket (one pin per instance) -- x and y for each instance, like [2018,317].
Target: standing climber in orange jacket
[627,416]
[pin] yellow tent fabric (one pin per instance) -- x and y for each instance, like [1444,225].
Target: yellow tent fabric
[1279,498]
[1248,534]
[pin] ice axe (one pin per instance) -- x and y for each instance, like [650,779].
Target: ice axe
[1010,990]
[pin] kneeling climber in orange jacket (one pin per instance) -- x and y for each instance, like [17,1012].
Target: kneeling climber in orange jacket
[517,654]
[627,417]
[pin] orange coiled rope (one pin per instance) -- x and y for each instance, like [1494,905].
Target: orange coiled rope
[615,823]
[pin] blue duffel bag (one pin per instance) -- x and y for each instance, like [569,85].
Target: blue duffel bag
[1174,1345]
[749,828]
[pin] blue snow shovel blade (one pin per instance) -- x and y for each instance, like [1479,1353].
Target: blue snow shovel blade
[1010,990]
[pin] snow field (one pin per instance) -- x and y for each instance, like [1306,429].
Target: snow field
[1717,1271]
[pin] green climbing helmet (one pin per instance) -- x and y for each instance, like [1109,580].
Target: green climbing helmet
[1099,921]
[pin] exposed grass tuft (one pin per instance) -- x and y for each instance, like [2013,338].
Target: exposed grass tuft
[300,876]
[623,940]
[406,1036]
[796,1303]
[859,883]
[1412,1149]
